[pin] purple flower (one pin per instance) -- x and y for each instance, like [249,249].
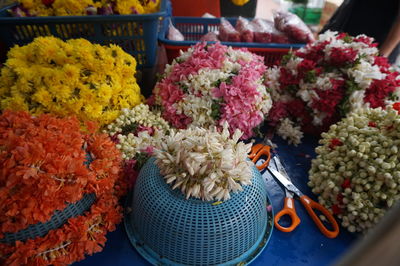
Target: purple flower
[105,10]
[134,11]
[17,11]
[114,138]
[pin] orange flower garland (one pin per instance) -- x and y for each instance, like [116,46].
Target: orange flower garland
[43,168]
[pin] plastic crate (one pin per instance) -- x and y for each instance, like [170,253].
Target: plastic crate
[195,8]
[136,34]
[194,28]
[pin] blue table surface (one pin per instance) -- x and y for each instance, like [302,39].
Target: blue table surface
[304,246]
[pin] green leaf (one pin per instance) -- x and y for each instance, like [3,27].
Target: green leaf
[215,110]
[141,158]
[229,80]
[292,88]
[216,83]
[393,97]
[184,87]
[310,76]
[286,58]
[257,131]
[351,86]
[92,86]
[348,39]
[344,106]
[179,60]
[85,73]
[159,76]
[126,129]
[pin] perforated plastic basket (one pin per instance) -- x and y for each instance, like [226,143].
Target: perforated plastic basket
[194,28]
[167,229]
[136,34]
[57,220]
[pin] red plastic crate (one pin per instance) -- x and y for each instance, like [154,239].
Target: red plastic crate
[194,28]
[195,8]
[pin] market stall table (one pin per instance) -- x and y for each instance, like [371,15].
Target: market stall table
[304,246]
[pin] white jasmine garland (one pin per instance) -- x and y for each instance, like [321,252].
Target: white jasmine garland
[272,82]
[318,118]
[197,107]
[356,100]
[287,130]
[357,171]
[236,55]
[126,129]
[205,164]
[363,74]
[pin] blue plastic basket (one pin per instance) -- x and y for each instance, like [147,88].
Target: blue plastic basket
[58,219]
[136,34]
[194,28]
[167,229]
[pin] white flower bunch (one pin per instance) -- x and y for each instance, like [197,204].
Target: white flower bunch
[137,129]
[205,164]
[288,131]
[357,170]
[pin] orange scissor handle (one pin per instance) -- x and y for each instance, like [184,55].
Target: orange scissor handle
[259,150]
[289,210]
[310,206]
[255,149]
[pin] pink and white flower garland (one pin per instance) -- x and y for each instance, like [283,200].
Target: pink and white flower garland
[321,82]
[211,84]
[136,133]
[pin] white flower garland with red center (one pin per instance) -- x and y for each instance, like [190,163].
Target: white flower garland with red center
[211,84]
[323,81]
[357,171]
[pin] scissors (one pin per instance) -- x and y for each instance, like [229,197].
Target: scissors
[309,204]
[257,151]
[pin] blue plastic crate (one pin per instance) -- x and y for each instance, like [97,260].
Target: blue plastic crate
[136,34]
[193,28]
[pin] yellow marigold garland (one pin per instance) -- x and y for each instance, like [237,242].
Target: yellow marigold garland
[85,7]
[75,77]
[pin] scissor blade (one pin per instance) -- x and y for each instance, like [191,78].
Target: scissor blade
[285,182]
[280,167]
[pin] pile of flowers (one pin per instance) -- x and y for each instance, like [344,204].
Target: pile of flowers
[357,171]
[33,8]
[136,133]
[323,81]
[211,84]
[205,164]
[75,77]
[47,163]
